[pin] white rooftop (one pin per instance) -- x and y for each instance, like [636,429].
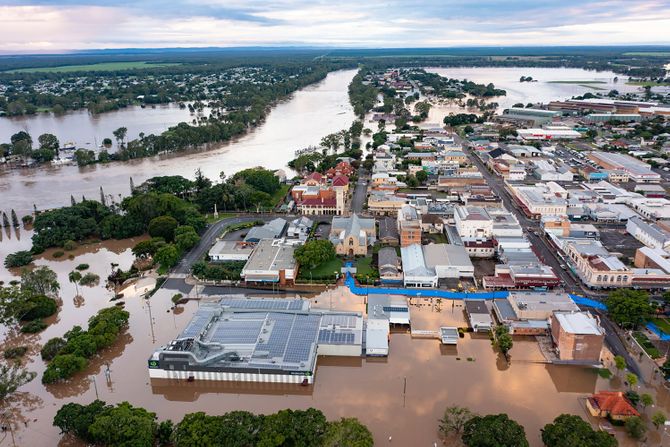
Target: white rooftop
[578,323]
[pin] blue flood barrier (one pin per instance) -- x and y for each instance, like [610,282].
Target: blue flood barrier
[436,293]
[661,335]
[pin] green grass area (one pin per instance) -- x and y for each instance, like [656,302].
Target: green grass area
[649,348]
[438,238]
[648,53]
[103,66]
[662,323]
[577,82]
[364,266]
[279,195]
[325,270]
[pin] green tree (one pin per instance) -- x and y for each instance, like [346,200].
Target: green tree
[635,427]
[569,430]
[164,432]
[454,419]
[186,238]
[120,135]
[74,277]
[148,248]
[314,252]
[347,432]
[18,259]
[631,379]
[494,430]
[167,256]
[628,307]
[293,427]
[163,227]
[75,418]
[62,367]
[41,281]
[13,377]
[421,176]
[124,426]
[52,348]
[646,400]
[658,419]
[502,339]
[620,363]
[48,141]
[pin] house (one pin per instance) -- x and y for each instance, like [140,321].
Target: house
[314,179]
[271,230]
[351,236]
[272,261]
[577,337]
[611,404]
[384,204]
[341,181]
[649,234]
[299,229]
[388,231]
[473,222]
[389,266]
[342,168]
[478,315]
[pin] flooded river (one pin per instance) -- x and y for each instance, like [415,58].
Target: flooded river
[301,120]
[571,82]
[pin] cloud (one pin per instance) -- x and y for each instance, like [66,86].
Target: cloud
[30,25]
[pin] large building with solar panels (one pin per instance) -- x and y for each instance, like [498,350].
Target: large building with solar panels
[257,340]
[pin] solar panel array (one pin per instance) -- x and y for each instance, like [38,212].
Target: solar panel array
[300,343]
[335,337]
[262,304]
[281,330]
[199,321]
[344,321]
[230,332]
[395,309]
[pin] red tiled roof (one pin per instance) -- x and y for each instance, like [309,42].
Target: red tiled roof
[340,180]
[314,176]
[613,403]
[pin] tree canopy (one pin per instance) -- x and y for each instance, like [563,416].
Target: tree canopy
[315,252]
[628,307]
[494,430]
[568,430]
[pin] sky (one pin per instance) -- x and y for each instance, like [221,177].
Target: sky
[53,25]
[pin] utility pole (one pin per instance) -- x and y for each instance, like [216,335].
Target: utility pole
[95,386]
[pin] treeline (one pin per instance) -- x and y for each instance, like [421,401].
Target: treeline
[25,92]
[68,355]
[453,88]
[89,219]
[31,301]
[636,65]
[361,96]
[126,425]
[168,207]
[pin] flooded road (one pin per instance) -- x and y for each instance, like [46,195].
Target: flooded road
[471,374]
[300,121]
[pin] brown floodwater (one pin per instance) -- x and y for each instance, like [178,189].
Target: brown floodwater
[471,374]
[300,121]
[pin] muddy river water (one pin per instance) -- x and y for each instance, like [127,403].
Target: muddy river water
[373,390]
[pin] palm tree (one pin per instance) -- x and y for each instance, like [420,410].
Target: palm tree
[75,277]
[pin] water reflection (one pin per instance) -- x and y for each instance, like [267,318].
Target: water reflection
[184,391]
